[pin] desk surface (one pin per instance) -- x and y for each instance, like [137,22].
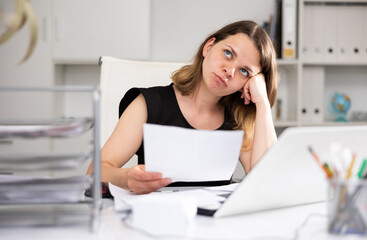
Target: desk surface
[309,221]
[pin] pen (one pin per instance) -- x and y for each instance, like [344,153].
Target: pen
[349,173]
[328,172]
[361,173]
[314,155]
[335,171]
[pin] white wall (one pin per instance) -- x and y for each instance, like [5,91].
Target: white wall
[178,27]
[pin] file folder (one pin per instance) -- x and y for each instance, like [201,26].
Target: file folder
[327,18]
[313,32]
[275,28]
[289,29]
[356,16]
[334,32]
[346,33]
[364,32]
[307,38]
[312,109]
[317,83]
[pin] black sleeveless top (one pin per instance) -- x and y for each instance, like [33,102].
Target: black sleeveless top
[163,109]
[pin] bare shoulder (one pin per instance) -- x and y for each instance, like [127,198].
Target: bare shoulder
[136,110]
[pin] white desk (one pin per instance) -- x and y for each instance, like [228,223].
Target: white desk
[276,224]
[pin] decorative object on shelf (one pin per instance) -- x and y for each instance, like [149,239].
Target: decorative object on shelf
[23,13]
[339,106]
[359,116]
[278,109]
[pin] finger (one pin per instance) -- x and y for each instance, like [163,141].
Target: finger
[140,174]
[260,76]
[147,176]
[149,186]
[246,93]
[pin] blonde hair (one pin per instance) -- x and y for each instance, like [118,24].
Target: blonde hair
[187,78]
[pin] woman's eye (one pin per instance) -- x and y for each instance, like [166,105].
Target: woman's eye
[228,54]
[244,72]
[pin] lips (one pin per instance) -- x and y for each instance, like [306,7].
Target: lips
[221,80]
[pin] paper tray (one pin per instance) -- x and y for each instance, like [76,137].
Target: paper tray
[42,161]
[69,127]
[44,215]
[17,190]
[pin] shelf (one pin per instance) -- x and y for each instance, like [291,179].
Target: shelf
[282,124]
[335,1]
[80,61]
[286,62]
[335,63]
[285,124]
[333,124]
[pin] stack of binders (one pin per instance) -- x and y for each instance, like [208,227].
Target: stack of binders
[334,32]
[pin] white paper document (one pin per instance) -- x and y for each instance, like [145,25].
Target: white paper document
[191,155]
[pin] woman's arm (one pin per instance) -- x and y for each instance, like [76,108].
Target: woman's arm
[121,146]
[264,132]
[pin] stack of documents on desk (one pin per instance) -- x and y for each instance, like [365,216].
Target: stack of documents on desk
[20,189]
[210,196]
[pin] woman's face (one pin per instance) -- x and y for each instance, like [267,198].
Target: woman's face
[229,64]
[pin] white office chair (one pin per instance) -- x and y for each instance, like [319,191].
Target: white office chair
[117,77]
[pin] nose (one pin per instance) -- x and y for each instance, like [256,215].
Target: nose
[229,71]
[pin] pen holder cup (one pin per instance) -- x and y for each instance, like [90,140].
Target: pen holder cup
[347,207]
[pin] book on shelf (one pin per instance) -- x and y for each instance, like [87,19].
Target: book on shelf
[275,32]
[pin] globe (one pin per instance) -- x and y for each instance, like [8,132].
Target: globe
[339,106]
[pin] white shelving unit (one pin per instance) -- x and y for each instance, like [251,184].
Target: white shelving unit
[324,65]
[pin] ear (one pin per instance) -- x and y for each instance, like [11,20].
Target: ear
[208,45]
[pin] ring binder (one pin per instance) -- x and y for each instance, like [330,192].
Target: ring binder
[289,29]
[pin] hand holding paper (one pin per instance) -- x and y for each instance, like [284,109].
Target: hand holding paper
[191,155]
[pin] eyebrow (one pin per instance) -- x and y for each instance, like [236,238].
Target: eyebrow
[235,54]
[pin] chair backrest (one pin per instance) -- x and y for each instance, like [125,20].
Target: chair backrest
[118,76]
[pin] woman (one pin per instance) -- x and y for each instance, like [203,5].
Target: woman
[231,84]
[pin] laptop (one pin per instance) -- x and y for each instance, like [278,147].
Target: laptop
[287,175]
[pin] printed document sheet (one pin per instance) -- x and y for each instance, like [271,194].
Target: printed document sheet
[191,155]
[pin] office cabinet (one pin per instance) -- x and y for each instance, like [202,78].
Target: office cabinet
[332,59]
